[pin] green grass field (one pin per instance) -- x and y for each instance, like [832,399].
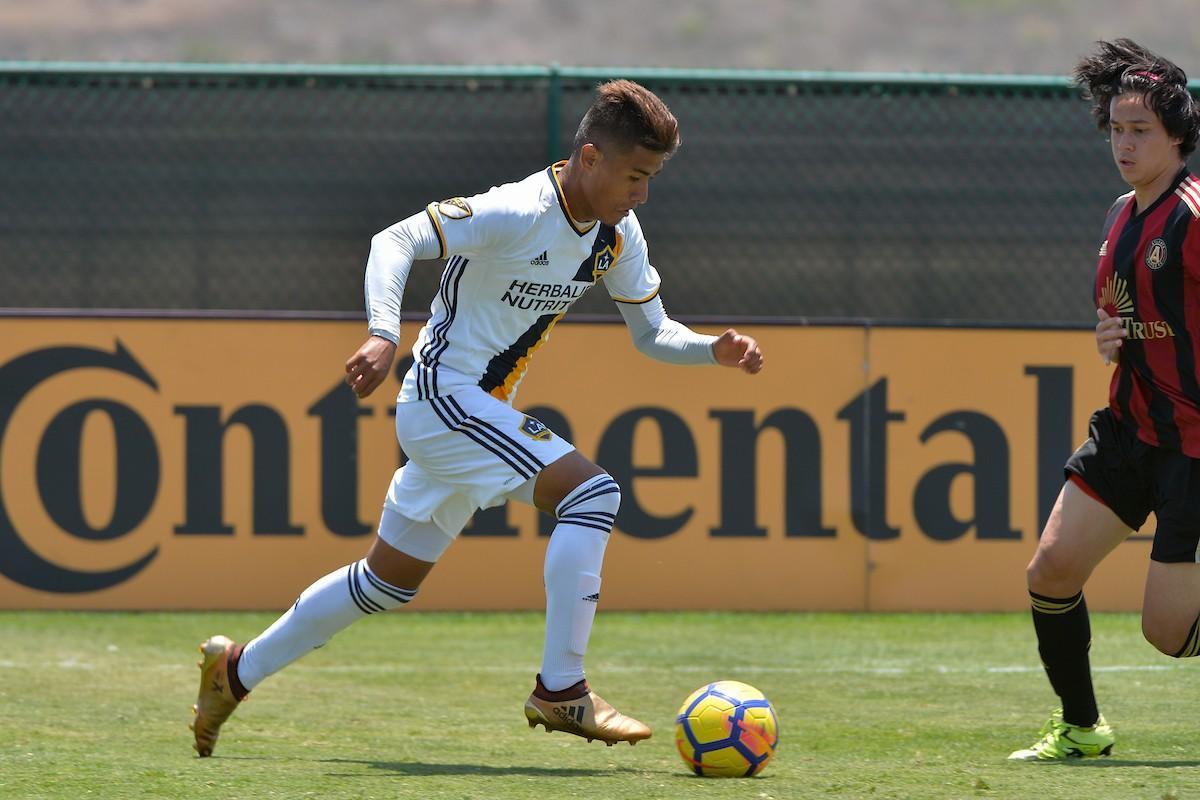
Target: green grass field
[413,705]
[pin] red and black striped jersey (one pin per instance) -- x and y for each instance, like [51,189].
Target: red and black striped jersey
[1149,275]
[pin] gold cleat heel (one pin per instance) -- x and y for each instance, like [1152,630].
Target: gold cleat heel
[215,700]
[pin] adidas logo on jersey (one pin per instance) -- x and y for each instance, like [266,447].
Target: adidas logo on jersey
[592,598]
[541,261]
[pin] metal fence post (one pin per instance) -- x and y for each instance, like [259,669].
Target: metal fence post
[553,111]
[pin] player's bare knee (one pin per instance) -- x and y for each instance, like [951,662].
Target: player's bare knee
[1052,575]
[559,480]
[1032,575]
[1170,636]
[1160,635]
[405,550]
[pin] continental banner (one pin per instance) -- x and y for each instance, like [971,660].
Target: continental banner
[183,464]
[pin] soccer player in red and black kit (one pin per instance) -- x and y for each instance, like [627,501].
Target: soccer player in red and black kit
[1143,453]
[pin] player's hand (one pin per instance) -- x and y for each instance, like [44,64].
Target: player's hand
[369,365]
[1109,335]
[732,349]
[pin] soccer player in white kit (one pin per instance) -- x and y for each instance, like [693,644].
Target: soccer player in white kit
[517,257]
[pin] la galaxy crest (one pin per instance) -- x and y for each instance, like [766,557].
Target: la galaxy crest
[1156,254]
[535,430]
[455,208]
[597,264]
[604,254]
[604,260]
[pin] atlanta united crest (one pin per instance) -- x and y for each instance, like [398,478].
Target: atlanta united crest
[1156,254]
[535,430]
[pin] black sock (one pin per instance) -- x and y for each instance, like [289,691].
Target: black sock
[1064,636]
[235,685]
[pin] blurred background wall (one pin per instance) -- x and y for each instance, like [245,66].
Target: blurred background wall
[796,195]
[993,36]
[813,197]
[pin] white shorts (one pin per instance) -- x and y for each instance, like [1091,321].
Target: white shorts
[466,452]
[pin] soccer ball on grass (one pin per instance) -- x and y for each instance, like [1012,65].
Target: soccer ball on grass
[726,729]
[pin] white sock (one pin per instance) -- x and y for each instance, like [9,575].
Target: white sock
[572,573]
[342,597]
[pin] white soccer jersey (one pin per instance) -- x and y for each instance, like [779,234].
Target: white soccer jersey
[516,261]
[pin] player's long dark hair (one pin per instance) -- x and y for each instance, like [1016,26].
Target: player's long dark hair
[1123,66]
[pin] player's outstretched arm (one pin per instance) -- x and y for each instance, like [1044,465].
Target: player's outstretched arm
[662,338]
[733,349]
[393,251]
[369,365]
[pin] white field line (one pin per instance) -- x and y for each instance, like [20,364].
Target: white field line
[752,669]
[384,669]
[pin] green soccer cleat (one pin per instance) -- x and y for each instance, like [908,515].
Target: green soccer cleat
[1062,740]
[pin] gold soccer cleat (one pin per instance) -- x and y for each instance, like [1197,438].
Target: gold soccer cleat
[588,716]
[215,701]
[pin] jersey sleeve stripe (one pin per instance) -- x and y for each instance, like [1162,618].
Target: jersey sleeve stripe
[437,227]
[1189,192]
[645,299]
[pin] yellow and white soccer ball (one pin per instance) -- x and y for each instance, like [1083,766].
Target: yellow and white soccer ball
[726,729]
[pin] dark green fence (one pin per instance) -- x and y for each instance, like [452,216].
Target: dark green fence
[794,195]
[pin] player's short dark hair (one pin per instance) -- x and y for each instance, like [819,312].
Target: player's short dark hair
[1123,66]
[625,115]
